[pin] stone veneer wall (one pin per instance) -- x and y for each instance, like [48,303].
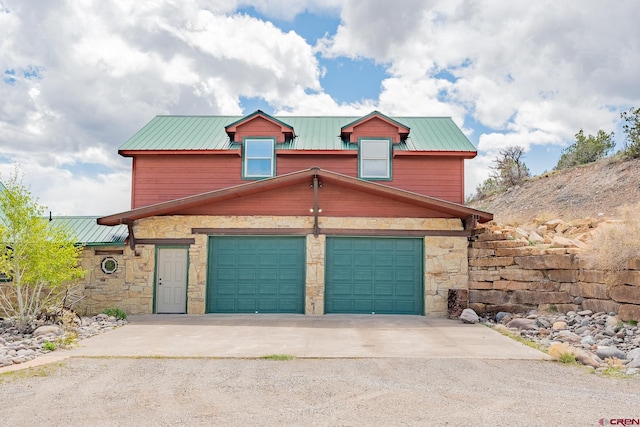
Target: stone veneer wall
[507,274]
[131,287]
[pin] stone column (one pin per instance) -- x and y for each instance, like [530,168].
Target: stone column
[314,286]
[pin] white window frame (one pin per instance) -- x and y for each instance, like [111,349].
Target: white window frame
[362,158]
[246,159]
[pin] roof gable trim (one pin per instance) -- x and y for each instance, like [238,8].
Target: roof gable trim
[173,206]
[348,128]
[285,128]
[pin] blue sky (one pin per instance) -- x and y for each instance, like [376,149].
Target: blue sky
[78,79]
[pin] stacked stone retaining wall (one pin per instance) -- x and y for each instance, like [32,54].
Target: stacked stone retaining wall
[509,274]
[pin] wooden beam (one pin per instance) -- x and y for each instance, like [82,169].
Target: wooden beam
[329,231]
[252,231]
[470,222]
[166,242]
[108,251]
[394,233]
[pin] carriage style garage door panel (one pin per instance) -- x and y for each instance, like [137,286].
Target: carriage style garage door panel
[374,275]
[256,274]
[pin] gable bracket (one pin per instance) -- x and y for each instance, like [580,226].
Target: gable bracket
[132,237]
[470,222]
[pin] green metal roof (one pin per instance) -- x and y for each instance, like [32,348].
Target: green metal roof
[89,233]
[313,133]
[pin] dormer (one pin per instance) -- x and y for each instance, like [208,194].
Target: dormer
[260,124]
[374,125]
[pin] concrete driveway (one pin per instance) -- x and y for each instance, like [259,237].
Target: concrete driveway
[330,336]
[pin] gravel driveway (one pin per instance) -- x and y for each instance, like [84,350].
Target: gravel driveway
[346,392]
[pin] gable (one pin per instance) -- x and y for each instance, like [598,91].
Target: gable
[259,124]
[297,199]
[292,194]
[375,125]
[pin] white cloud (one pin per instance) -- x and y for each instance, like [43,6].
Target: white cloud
[104,68]
[518,67]
[81,77]
[288,9]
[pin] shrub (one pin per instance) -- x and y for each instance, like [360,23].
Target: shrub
[563,353]
[586,149]
[632,131]
[116,312]
[614,245]
[48,345]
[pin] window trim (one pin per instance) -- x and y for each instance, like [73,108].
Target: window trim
[245,159]
[389,158]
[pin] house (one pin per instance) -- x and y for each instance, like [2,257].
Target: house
[309,215]
[102,258]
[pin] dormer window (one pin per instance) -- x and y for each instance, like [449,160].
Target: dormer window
[374,158]
[258,158]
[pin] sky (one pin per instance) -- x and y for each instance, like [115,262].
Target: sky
[78,78]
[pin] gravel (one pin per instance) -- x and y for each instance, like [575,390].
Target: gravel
[347,392]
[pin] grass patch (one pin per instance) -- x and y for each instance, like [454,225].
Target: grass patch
[614,369]
[522,340]
[278,357]
[68,340]
[50,346]
[116,312]
[567,358]
[35,372]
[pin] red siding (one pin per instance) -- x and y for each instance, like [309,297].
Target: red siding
[259,127]
[375,127]
[297,200]
[346,165]
[160,178]
[440,177]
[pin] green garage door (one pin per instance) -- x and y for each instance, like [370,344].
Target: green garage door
[256,274]
[373,275]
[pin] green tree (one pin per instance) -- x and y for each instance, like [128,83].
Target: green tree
[632,131]
[586,149]
[487,188]
[39,260]
[509,169]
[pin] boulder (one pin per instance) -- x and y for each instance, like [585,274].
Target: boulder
[469,316]
[568,336]
[520,323]
[559,325]
[47,330]
[501,315]
[604,352]
[584,358]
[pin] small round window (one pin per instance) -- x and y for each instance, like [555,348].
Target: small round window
[109,265]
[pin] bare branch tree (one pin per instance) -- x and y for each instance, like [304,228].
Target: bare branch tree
[509,169]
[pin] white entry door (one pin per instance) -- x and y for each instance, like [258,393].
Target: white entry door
[171,280]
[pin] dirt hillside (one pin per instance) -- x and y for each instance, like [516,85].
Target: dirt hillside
[599,189]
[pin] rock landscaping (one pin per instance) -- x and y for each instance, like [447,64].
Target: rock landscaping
[599,340]
[17,347]
[543,265]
